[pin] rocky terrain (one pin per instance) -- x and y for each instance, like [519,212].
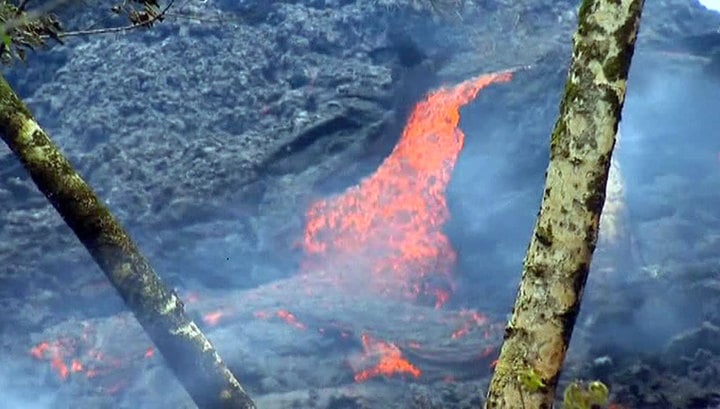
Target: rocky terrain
[209,137]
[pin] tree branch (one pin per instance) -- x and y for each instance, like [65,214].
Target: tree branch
[159,17]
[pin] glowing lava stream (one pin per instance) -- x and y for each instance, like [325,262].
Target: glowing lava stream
[385,236]
[388,357]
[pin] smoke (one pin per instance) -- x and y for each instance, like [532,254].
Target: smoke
[17,390]
[669,158]
[496,188]
[670,164]
[669,155]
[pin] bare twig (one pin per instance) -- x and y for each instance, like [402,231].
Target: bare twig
[158,17]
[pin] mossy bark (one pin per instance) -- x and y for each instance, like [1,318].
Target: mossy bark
[188,352]
[561,248]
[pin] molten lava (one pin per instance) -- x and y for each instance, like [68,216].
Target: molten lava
[385,235]
[290,318]
[387,360]
[474,319]
[213,318]
[78,354]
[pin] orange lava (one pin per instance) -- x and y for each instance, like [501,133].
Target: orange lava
[38,351]
[388,358]
[54,353]
[212,318]
[261,315]
[474,319]
[192,298]
[288,317]
[385,235]
[76,366]
[77,355]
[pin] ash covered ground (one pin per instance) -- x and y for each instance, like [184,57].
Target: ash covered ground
[210,141]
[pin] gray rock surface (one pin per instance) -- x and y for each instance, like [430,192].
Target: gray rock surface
[208,141]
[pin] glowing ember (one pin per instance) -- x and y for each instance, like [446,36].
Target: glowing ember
[385,235]
[284,315]
[388,358]
[55,354]
[38,351]
[262,315]
[76,366]
[66,356]
[192,298]
[474,319]
[288,317]
[212,318]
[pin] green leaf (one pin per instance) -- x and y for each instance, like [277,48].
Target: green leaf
[530,379]
[7,40]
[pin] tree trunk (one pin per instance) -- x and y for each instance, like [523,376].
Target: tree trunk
[558,257]
[159,310]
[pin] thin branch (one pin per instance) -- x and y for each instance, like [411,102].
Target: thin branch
[109,30]
[21,6]
[201,18]
[30,15]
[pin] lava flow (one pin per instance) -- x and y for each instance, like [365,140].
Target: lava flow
[385,235]
[383,238]
[388,360]
[73,355]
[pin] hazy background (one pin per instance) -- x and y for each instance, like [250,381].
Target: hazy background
[195,135]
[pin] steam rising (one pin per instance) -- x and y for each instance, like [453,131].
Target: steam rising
[669,155]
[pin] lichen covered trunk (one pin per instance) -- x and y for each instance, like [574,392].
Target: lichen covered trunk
[189,354]
[558,257]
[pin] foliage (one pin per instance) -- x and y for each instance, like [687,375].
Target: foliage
[578,395]
[21,32]
[23,29]
[139,12]
[530,380]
